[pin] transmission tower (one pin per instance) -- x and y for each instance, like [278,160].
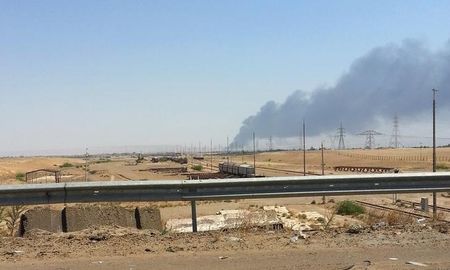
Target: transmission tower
[370,137]
[270,144]
[395,134]
[341,135]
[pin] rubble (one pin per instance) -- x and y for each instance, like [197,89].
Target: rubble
[355,228]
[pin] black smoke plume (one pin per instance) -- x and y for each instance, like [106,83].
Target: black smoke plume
[389,80]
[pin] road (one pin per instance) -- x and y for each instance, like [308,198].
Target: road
[324,258]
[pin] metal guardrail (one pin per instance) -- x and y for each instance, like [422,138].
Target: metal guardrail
[219,189]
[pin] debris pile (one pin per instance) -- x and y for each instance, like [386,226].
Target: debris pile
[269,216]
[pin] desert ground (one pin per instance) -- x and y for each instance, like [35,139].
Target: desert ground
[388,248]
[394,244]
[124,167]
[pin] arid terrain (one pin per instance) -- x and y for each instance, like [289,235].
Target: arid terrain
[116,248]
[277,163]
[377,239]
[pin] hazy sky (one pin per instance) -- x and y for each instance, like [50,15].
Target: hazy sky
[115,73]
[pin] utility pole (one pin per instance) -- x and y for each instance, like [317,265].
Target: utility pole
[228,151]
[434,149]
[323,169]
[254,154]
[323,162]
[194,203]
[86,165]
[304,149]
[211,156]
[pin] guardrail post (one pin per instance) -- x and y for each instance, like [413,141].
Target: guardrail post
[193,212]
[434,205]
[194,216]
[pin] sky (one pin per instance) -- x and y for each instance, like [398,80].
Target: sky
[76,74]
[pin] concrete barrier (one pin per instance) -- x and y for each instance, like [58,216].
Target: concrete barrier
[148,218]
[41,218]
[82,217]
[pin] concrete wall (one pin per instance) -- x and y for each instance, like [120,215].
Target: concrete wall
[41,218]
[83,217]
[148,218]
[80,217]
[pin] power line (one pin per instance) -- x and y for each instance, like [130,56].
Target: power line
[332,139]
[416,137]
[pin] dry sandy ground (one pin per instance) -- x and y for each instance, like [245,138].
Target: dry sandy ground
[123,168]
[405,159]
[119,248]
[10,166]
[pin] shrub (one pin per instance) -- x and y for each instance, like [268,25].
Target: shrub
[20,176]
[12,217]
[197,167]
[103,161]
[349,208]
[66,165]
[396,218]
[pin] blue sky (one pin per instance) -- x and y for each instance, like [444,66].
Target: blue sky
[114,73]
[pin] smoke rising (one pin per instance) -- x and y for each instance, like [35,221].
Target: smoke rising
[388,80]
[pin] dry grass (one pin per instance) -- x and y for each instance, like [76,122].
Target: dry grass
[11,218]
[439,217]
[330,214]
[390,218]
[406,159]
[244,223]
